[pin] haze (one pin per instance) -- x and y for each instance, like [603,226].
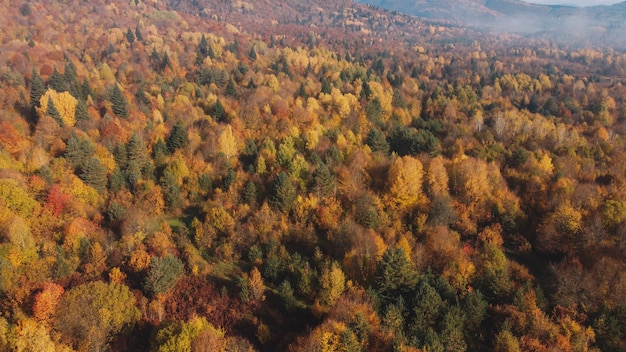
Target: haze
[580,3]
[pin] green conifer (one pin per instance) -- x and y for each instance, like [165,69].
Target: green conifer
[120,105]
[177,138]
[219,113]
[52,111]
[138,34]
[37,89]
[231,89]
[130,36]
[94,174]
[57,82]
[81,113]
[159,152]
[283,193]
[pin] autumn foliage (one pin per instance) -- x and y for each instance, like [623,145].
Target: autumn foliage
[303,176]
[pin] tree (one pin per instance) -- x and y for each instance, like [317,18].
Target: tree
[326,87]
[227,142]
[395,275]
[52,111]
[90,314]
[78,151]
[203,47]
[219,113]
[332,283]
[256,287]
[231,89]
[81,113]
[31,336]
[285,291]
[159,151]
[427,308]
[196,335]
[94,174]
[37,89]
[47,301]
[163,274]
[120,105]
[178,137]
[324,181]
[283,193]
[250,193]
[171,191]
[85,89]
[405,182]
[377,141]
[130,36]
[64,111]
[138,34]
[452,330]
[137,151]
[57,82]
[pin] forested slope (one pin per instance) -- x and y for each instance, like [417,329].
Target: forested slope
[177,179]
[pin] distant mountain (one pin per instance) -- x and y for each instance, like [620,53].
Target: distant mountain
[596,24]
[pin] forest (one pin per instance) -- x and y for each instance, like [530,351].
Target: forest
[304,176]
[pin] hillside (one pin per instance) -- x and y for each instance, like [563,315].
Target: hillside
[305,176]
[591,26]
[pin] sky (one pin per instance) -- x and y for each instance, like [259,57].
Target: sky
[575,2]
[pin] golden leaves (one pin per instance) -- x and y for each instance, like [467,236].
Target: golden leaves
[405,182]
[64,102]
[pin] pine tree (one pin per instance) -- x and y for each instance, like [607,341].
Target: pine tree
[163,274]
[171,191]
[69,73]
[395,275]
[94,174]
[326,87]
[166,62]
[133,174]
[52,111]
[116,181]
[427,307]
[324,181]
[231,89]
[77,151]
[252,55]
[85,89]
[37,89]
[366,91]
[250,193]
[138,34]
[229,179]
[302,91]
[377,142]
[81,112]
[159,151]
[120,105]
[219,113]
[137,151]
[155,59]
[57,82]
[284,194]
[203,47]
[130,36]
[178,137]
[140,95]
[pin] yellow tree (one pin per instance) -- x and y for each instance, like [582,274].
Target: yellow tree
[437,178]
[228,142]
[405,182]
[64,102]
[332,282]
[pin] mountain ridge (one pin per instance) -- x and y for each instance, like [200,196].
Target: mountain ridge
[600,24]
